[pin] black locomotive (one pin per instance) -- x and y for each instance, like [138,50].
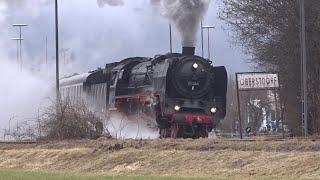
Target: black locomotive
[183,93]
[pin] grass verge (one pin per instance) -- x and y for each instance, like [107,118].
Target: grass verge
[40,175]
[32,175]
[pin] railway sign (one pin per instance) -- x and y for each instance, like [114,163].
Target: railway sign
[256,81]
[248,130]
[250,81]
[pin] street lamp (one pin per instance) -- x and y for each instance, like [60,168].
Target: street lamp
[208,28]
[20,39]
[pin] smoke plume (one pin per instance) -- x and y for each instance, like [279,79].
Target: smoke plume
[101,3]
[186,15]
[32,7]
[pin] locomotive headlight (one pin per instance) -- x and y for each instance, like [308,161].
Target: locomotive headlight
[177,108]
[195,66]
[213,110]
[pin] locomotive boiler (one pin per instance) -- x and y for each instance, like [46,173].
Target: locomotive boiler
[181,92]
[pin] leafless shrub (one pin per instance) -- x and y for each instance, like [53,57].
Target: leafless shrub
[70,120]
[21,129]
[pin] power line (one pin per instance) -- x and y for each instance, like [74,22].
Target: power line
[20,40]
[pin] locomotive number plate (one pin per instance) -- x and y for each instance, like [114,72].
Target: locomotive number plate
[192,83]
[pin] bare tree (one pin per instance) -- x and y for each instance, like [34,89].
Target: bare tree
[269,31]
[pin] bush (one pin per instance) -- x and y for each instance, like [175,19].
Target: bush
[69,120]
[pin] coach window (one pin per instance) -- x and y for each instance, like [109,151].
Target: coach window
[76,91]
[104,89]
[100,93]
[73,91]
[93,92]
[101,90]
[68,92]
[81,91]
[96,90]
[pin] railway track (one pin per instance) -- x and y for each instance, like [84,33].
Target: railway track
[218,138]
[21,142]
[253,140]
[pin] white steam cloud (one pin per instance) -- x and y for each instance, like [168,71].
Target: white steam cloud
[22,93]
[186,15]
[101,3]
[121,127]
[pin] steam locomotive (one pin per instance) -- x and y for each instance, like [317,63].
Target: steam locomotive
[181,92]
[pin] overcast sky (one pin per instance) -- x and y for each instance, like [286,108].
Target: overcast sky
[95,36]
[98,35]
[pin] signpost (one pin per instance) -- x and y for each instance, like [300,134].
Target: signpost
[250,81]
[256,81]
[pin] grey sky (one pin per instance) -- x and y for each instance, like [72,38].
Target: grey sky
[95,35]
[99,35]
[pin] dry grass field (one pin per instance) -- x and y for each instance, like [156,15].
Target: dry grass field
[205,158]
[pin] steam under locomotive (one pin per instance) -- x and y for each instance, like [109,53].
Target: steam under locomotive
[181,92]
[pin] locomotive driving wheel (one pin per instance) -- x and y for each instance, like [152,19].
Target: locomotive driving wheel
[164,133]
[176,131]
[201,133]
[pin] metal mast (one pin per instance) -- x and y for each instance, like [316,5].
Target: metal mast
[304,69]
[57,50]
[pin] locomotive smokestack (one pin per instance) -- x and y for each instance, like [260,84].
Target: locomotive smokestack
[188,50]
